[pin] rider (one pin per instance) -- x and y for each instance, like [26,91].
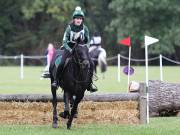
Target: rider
[75,31]
[95,42]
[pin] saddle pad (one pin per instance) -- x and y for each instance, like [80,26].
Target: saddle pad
[58,60]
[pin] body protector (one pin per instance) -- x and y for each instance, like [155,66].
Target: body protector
[96,41]
[73,34]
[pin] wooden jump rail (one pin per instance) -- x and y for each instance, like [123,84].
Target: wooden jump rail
[135,96]
[164,98]
[48,98]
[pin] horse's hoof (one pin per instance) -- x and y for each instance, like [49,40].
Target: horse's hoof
[64,114]
[54,125]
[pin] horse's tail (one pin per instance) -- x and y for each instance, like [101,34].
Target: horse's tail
[102,61]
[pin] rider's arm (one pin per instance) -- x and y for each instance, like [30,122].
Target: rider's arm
[66,39]
[86,34]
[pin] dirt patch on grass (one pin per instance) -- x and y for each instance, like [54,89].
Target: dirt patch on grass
[120,112]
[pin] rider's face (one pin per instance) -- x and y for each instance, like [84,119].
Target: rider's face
[78,21]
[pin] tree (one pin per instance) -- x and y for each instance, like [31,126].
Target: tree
[9,16]
[29,25]
[98,17]
[143,17]
[47,19]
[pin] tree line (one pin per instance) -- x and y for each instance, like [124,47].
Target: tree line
[27,26]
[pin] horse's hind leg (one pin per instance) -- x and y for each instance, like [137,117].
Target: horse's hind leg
[95,67]
[54,103]
[74,110]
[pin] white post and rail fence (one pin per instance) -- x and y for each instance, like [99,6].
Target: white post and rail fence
[118,58]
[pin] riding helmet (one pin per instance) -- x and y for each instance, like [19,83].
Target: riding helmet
[78,12]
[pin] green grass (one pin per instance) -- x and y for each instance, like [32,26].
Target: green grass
[10,81]
[157,126]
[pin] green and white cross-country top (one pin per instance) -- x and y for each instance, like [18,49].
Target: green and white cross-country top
[73,32]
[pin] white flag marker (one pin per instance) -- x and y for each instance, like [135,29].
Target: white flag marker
[150,40]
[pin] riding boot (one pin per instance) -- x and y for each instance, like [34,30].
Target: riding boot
[92,88]
[55,82]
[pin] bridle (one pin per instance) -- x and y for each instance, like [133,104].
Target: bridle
[76,60]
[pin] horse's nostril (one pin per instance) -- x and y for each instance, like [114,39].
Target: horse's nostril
[86,63]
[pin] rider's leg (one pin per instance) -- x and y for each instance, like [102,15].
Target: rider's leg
[57,74]
[59,68]
[91,86]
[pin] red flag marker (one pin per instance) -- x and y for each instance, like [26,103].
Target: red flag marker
[126,42]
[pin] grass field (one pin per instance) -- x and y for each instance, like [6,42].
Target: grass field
[157,126]
[10,81]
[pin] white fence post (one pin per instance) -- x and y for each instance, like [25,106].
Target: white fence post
[119,67]
[161,72]
[22,66]
[129,64]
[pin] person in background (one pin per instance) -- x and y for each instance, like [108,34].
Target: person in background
[97,53]
[49,55]
[95,42]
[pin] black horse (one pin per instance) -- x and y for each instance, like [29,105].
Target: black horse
[76,78]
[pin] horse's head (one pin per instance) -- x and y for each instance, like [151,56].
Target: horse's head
[81,55]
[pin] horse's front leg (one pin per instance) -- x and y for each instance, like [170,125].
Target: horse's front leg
[54,103]
[65,114]
[74,110]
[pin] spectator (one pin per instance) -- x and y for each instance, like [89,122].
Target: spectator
[50,52]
